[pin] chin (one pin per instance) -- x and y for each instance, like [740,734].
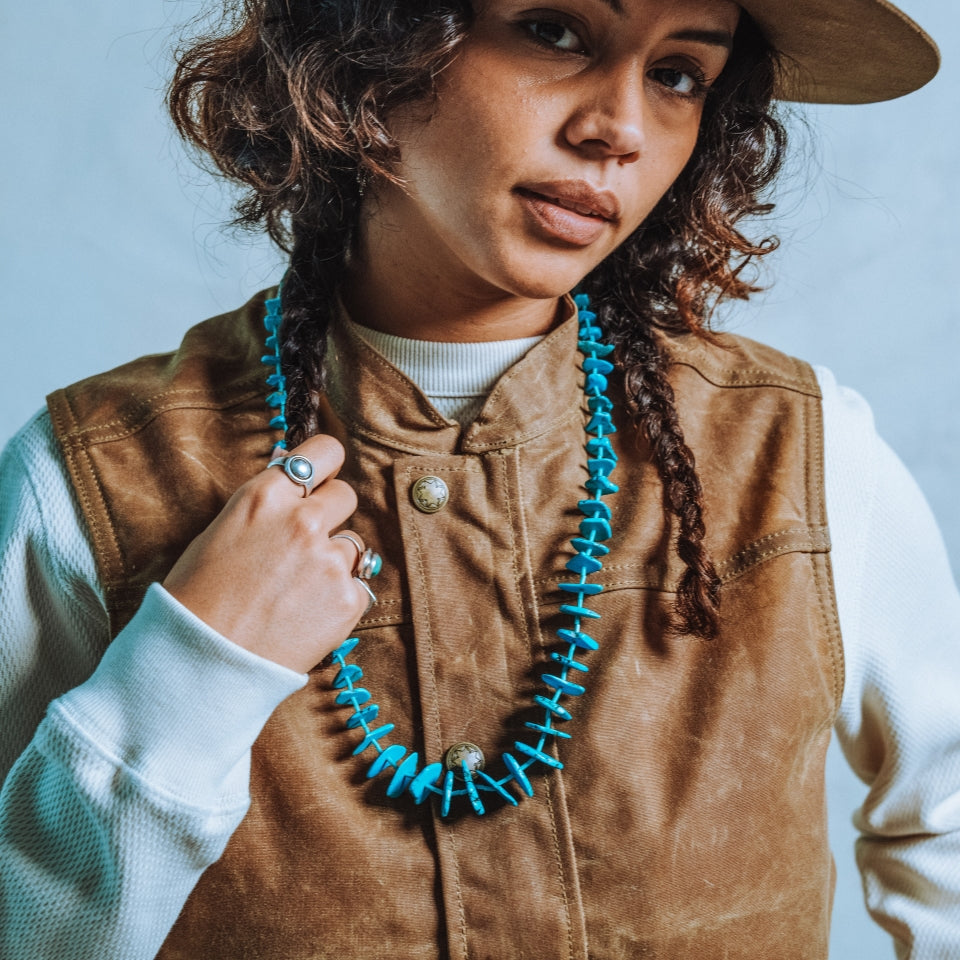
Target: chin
[540,281]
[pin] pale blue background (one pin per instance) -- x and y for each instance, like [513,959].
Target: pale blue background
[111,248]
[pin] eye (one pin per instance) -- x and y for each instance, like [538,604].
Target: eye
[554,34]
[685,83]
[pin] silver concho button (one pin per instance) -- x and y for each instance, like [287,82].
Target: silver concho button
[430,494]
[461,752]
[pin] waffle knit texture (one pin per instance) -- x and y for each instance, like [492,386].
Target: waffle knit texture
[136,777]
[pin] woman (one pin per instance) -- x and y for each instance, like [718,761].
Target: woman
[445,177]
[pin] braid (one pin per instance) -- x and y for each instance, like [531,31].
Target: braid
[317,262]
[650,399]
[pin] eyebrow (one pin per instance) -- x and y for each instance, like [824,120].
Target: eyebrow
[715,38]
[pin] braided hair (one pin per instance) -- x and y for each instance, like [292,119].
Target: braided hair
[288,98]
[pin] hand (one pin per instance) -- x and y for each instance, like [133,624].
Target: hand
[266,574]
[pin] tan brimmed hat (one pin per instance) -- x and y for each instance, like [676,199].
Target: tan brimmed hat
[845,51]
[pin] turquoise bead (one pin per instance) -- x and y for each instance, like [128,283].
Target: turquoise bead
[596,527]
[277,380]
[600,423]
[589,331]
[601,447]
[596,347]
[582,563]
[276,399]
[389,756]
[447,794]
[496,787]
[596,382]
[599,404]
[372,737]
[594,508]
[346,675]
[536,754]
[584,589]
[600,466]
[578,639]
[424,780]
[596,365]
[474,797]
[575,610]
[582,300]
[278,423]
[269,360]
[271,342]
[404,776]
[548,731]
[362,717]
[518,774]
[568,687]
[561,713]
[601,486]
[569,662]
[358,695]
[346,648]
[592,547]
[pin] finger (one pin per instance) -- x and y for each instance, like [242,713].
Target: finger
[369,597]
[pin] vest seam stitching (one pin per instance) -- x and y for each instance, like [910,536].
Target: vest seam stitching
[513,518]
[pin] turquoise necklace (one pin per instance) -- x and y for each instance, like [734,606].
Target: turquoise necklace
[462,774]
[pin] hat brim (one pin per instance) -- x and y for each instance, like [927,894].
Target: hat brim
[845,51]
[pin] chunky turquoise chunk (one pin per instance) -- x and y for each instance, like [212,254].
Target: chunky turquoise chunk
[358,695]
[447,794]
[569,662]
[561,713]
[365,716]
[404,776]
[600,423]
[595,346]
[582,563]
[496,787]
[600,466]
[592,547]
[568,687]
[271,342]
[518,774]
[372,737]
[347,674]
[596,382]
[536,754]
[584,589]
[472,793]
[575,610]
[597,528]
[276,399]
[277,380]
[547,731]
[601,447]
[596,365]
[582,300]
[278,423]
[600,486]
[346,648]
[424,780]
[578,639]
[589,331]
[594,508]
[389,756]
[269,360]
[599,404]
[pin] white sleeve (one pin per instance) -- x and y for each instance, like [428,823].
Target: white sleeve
[899,722]
[135,779]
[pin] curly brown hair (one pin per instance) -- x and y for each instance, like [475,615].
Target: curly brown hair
[289,99]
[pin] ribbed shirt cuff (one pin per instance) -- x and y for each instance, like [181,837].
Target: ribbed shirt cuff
[177,703]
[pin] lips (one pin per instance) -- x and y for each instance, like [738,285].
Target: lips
[570,211]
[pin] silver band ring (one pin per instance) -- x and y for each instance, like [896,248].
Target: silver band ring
[298,469]
[373,596]
[353,540]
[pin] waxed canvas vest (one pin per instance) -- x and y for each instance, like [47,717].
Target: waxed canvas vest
[689,819]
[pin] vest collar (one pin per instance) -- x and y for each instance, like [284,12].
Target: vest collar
[538,394]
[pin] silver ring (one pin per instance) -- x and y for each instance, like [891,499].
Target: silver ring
[369,565]
[299,469]
[373,596]
[353,540]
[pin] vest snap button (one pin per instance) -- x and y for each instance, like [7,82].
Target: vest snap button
[430,494]
[464,751]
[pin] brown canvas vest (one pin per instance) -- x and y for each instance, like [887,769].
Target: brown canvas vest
[689,819]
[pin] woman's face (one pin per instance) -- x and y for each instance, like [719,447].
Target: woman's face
[556,131]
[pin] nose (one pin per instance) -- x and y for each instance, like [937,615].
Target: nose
[608,122]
